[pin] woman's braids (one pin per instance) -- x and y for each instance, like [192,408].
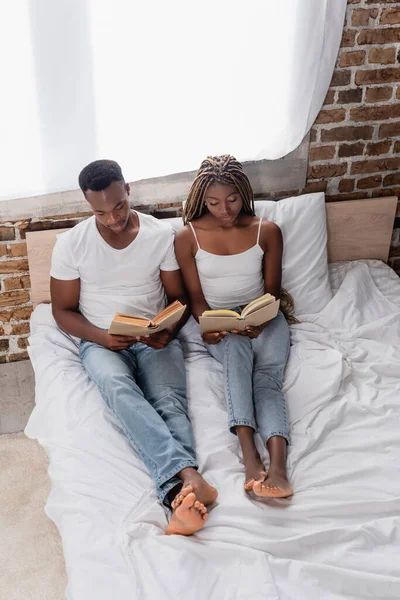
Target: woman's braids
[223,169]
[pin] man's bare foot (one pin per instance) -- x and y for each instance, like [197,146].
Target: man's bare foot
[188,518]
[194,482]
[255,470]
[275,485]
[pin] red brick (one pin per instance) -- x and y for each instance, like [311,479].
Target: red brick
[388,130]
[315,186]
[382,56]
[20,329]
[17,250]
[3,249]
[375,113]
[351,196]
[22,314]
[45,225]
[1,330]
[22,343]
[352,58]
[369,182]
[390,16]
[313,135]
[5,315]
[14,298]
[375,166]
[341,78]
[346,185]
[386,192]
[376,148]
[17,357]
[331,116]
[6,234]
[375,37]
[13,266]
[392,179]
[378,94]
[396,147]
[389,75]
[4,344]
[12,283]
[348,133]
[361,17]
[351,149]
[322,153]
[322,171]
[398,93]
[348,38]
[353,1]
[330,97]
[16,283]
[3,359]
[350,96]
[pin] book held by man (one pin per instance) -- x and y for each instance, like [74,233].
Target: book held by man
[131,325]
[259,311]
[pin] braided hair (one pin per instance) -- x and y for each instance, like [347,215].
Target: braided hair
[223,169]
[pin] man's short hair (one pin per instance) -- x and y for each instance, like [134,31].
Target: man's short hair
[98,175]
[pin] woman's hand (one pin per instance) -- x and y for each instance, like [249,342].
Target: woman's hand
[213,337]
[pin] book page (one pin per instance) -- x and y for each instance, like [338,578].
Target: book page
[257,303]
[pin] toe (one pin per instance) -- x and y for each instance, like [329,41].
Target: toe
[188,501]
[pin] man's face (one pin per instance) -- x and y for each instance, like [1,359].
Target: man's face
[111,206]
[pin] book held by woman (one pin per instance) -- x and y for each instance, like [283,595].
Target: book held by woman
[255,313]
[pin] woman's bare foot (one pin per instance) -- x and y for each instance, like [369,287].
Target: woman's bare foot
[255,470]
[194,482]
[188,518]
[275,485]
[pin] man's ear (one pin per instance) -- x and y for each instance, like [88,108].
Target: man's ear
[128,188]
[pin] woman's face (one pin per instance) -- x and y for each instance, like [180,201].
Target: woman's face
[224,202]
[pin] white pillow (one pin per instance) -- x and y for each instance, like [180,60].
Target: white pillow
[302,220]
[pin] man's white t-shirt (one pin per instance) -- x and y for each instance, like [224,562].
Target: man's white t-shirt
[126,281]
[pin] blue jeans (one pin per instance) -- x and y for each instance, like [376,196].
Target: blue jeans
[146,391]
[253,376]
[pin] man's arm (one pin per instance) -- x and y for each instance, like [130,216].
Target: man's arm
[65,307]
[174,290]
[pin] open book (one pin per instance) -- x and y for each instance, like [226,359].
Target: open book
[131,325]
[257,312]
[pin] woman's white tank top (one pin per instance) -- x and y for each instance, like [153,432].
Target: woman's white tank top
[229,281]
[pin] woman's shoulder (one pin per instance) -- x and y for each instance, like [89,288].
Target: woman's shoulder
[270,233]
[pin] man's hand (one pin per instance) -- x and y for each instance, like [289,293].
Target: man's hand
[250,331]
[157,340]
[116,342]
[213,337]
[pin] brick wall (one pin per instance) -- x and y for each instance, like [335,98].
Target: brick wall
[354,153]
[355,142]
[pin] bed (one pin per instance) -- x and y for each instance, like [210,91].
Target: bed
[338,537]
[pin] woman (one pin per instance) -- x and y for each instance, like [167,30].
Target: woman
[229,257]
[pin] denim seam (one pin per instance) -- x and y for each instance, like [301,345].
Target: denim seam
[186,463]
[276,433]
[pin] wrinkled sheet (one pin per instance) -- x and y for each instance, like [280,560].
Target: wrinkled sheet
[338,537]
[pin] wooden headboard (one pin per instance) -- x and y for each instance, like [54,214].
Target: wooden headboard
[356,229]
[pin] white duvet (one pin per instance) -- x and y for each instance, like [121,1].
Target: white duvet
[337,538]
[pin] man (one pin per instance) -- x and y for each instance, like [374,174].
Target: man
[121,261]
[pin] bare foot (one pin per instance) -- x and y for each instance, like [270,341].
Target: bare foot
[275,485]
[194,482]
[188,518]
[177,501]
[255,470]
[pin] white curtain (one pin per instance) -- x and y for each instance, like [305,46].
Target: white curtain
[157,85]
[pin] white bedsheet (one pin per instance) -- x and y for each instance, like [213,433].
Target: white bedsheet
[337,538]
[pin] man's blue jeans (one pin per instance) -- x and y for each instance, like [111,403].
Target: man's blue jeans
[146,391]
